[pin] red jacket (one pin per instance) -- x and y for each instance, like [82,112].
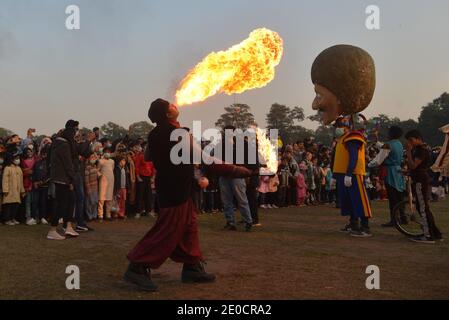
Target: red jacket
[143,168]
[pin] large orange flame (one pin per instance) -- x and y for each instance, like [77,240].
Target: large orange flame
[268,151]
[248,65]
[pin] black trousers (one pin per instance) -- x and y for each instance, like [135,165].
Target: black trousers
[252,195]
[394,198]
[10,211]
[421,193]
[64,206]
[144,195]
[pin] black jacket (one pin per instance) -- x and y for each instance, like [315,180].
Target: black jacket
[118,177]
[173,182]
[61,162]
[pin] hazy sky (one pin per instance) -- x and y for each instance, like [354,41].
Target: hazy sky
[128,53]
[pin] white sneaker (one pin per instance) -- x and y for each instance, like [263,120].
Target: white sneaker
[15,222]
[137,216]
[10,223]
[61,221]
[72,233]
[274,206]
[263,207]
[269,206]
[31,222]
[44,222]
[53,235]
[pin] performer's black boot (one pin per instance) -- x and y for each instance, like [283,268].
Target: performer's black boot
[195,273]
[140,276]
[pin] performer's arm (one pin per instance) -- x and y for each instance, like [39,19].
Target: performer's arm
[353,147]
[413,161]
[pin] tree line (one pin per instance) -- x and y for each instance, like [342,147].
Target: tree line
[288,121]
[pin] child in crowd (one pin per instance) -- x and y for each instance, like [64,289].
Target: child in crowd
[283,173]
[121,185]
[106,186]
[331,186]
[302,186]
[310,179]
[263,191]
[324,194]
[27,164]
[2,163]
[91,175]
[273,184]
[13,190]
[210,194]
[41,177]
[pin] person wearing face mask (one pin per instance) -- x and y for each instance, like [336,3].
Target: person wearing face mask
[144,173]
[41,183]
[349,172]
[106,185]
[27,164]
[62,175]
[13,190]
[91,175]
[344,78]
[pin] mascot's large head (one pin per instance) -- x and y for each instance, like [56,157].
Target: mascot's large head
[345,79]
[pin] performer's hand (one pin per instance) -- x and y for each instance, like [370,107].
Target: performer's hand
[348,181]
[203,182]
[408,146]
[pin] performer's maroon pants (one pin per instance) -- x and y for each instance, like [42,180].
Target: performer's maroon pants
[175,236]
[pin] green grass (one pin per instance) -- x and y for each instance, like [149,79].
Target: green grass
[297,254]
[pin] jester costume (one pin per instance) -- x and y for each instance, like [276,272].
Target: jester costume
[350,162]
[344,80]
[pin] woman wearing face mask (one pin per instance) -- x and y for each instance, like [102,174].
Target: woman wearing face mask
[13,190]
[106,191]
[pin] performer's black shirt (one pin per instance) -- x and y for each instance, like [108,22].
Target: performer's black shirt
[173,182]
[421,173]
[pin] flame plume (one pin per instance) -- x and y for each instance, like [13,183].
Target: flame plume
[248,65]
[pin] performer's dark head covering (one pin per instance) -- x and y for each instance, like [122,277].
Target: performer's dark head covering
[158,111]
[349,73]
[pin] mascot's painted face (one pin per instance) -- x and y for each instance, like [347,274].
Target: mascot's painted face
[345,79]
[327,104]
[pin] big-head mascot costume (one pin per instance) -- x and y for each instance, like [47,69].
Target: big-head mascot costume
[344,79]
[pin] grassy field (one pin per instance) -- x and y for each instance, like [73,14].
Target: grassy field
[297,254]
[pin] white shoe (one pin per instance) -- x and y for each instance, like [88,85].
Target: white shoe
[274,206]
[31,222]
[15,222]
[10,223]
[137,216]
[269,206]
[61,221]
[263,207]
[53,235]
[70,232]
[44,222]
